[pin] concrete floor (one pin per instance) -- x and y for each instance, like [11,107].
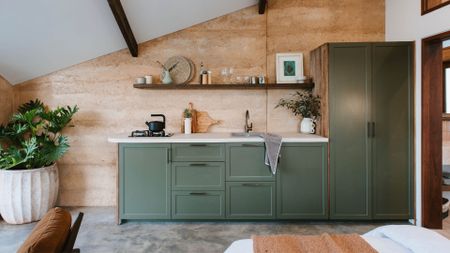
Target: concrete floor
[99,233]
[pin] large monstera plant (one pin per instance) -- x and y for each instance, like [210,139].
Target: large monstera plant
[32,138]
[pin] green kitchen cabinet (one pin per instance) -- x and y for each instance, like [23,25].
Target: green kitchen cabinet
[245,162]
[370,88]
[198,152]
[200,205]
[250,200]
[154,187]
[144,181]
[302,180]
[392,142]
[350,85]
[198,175]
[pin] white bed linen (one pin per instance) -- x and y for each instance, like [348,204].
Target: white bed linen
[386,239]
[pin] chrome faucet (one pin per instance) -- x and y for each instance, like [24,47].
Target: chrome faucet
[248,128]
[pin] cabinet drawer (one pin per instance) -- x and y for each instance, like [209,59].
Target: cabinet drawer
[245,162]
[198,176]
[251,200]
[198,152]
[198,205]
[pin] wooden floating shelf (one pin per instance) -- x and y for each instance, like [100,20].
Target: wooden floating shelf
[292,86]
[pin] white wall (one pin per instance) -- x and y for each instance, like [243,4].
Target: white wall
[404,22]
[39,37]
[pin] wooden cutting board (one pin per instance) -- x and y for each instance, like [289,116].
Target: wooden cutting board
[204,122]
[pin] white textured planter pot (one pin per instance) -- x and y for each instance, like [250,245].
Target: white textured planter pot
[27,195]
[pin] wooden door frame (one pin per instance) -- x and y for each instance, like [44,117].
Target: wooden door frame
[432,100]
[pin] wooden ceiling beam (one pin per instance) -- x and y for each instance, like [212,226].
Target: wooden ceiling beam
[122,21]
[262,6]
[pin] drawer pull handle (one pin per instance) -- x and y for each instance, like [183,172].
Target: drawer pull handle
[252,185]
[198,193]
[250,145]
[198,145]
[198,164]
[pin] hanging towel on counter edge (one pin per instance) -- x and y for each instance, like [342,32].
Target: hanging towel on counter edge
[273,147]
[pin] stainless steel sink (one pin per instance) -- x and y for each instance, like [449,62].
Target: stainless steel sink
[243,134]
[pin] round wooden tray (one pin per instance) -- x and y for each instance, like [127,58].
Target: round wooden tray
[182,73]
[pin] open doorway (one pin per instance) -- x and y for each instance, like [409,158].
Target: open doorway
[446,134]
[434,106]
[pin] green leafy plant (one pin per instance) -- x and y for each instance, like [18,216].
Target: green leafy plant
[32,138]
[187,114]
[302,103]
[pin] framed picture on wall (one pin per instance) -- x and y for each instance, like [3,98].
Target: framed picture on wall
[289,67]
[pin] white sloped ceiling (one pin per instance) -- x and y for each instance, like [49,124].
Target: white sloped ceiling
[41,36]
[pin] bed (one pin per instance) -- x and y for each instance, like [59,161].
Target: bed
[385,239]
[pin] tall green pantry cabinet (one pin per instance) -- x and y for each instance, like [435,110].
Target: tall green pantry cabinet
[367,92]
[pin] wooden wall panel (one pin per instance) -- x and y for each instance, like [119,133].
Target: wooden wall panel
[446,54]
[102,87]
[319,72]
[6,100]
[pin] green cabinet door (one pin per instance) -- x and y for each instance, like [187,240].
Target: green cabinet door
[349,100]
[302,191]
[200,205]
[245,162]
[144,181]
[250,200]
[392,143]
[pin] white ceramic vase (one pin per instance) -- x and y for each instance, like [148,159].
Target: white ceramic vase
[188,125]
[27,195]
[307,126]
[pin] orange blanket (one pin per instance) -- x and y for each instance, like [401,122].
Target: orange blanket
[325,243]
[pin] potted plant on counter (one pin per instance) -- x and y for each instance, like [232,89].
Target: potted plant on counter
[306,105]
[187,121]
[30,145]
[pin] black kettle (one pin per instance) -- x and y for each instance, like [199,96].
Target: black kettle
[156,126]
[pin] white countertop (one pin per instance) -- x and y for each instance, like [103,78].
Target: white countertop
[215,138]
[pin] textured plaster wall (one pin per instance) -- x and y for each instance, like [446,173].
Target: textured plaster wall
[244,40]
[6,100]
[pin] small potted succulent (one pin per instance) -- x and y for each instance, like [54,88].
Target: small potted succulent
[187,121]
[306,105]
[30,145]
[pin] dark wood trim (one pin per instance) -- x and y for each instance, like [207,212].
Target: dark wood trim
[432,132]
[292,86]
[122,21]
[262,6]
[425,9]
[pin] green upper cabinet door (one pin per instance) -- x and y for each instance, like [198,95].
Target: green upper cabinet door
[392,143]
[144,181]
[302,181]
[245,162]
[349,100]
[198,152]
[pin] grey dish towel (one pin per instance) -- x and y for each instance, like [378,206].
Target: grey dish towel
[273,147]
